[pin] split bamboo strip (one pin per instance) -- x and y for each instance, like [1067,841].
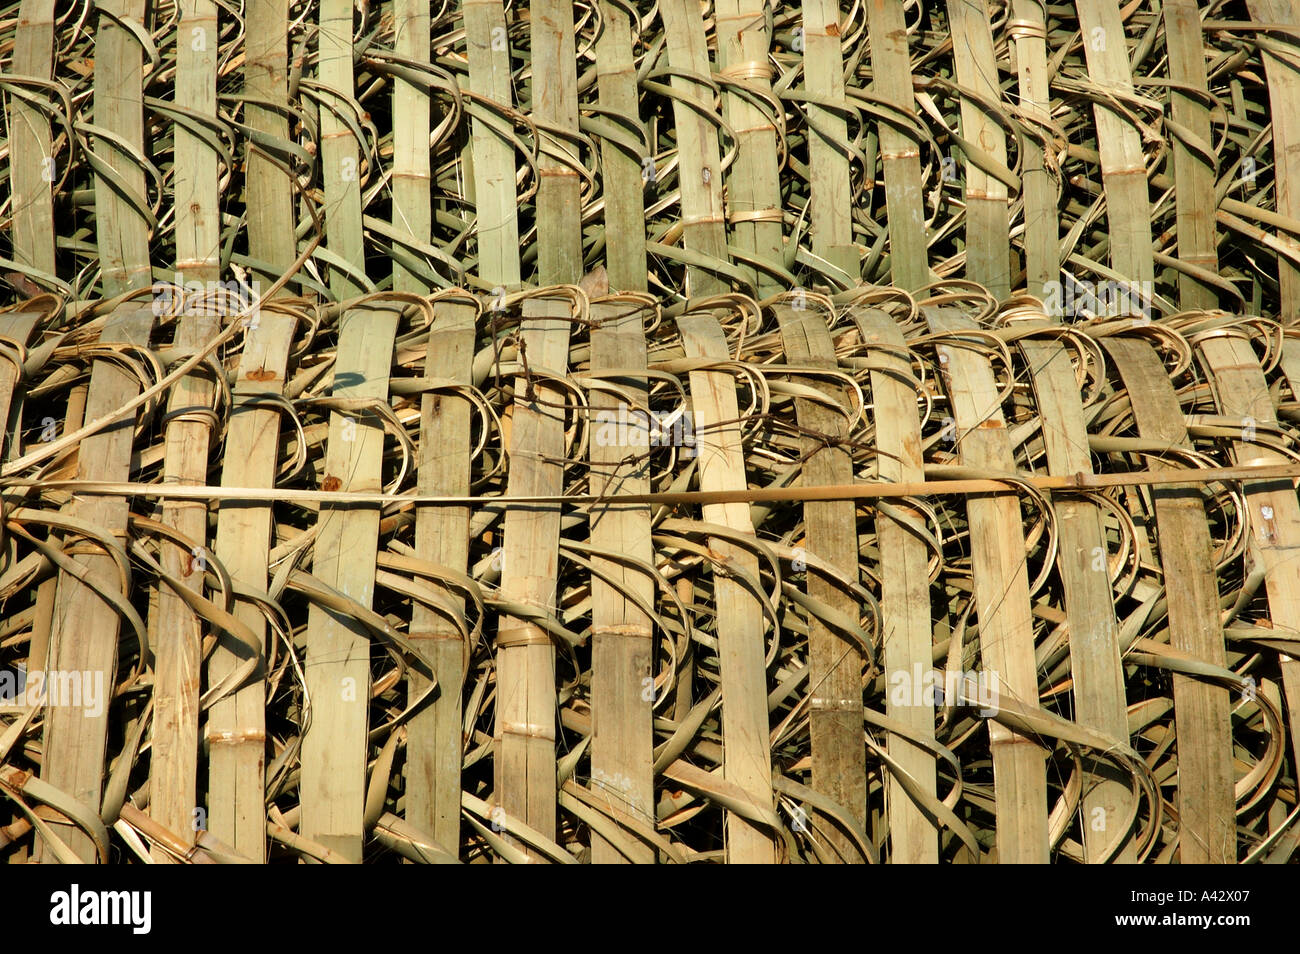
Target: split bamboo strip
[173,770]
[334,748]
[1006,629]
[33,169]
[555,106]
[1206,810]
[84,637]
[235,733]
[434,739]
[899,152]
[987,222]
[17,325]
[747,761]
[340,153]
[829,198]
[412,178]
[753,183]
[1028,31]
[905,584]
[123,225]
[699,173]
[839,763]
[1123,165]
[623,689]
[268,190]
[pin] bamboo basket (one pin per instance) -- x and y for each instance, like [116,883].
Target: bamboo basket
[610,433]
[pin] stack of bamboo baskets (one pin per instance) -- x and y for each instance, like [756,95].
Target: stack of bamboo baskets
[706,431]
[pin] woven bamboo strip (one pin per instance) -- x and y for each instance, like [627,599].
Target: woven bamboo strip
[340,153]
[622,649]
[555,104]
[839,764]
[17,325]
[84,635]
[753,183]
[1006,630]
[829,201]
[123,230]
[412,198]
[334,748]
[987,224]
[900,153]
[905,582]
[33,169]
[434,742]
[746,756]
[1207,819]
[1038,190]
[1123,165]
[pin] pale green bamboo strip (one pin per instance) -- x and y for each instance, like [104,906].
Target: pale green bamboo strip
[173,767]
[496,204]
[1283,93]
[235,732]
[699,175]
[335,747]
[1123,165]
[1197,243]
[839,763]
[625,253]
[1207,832]
[18,325]
[526,695]
[622,677]
[753,185]
[340,153]
[268,190]
[829,198]
[1241,390]
[1038,189]
[412,178]
[83,638]
[32,167]
[434,743]
[747,759]
[1001,593]
[121,228]
[1081,560]
[891,71]
[905,584]
[987,221]
[555,104]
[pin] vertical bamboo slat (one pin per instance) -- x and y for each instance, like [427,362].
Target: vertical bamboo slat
[1028,32]
[1206,808]
[340,154]
[32,168]
[412,179]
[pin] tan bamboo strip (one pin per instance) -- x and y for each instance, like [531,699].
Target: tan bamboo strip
[891,71]
[747,759]
[340,153]
[412,178]
[987,223]
[1006,629]
[753,183]
[235,732]
[839,757]
[625,253]
[905,584]
[1028,34]
[1283,94]
[1081,560]
[19,326]
[699,175]
[555,104]
[829,199]
[1206,809]
[488,52]
[83,639]
[434,744]
[173,767]
[32,167]
[120,224]
[268,190]
[334,748]
[621,650]
[1241,391]
[1195,176]
[526,699]
[1123,165]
